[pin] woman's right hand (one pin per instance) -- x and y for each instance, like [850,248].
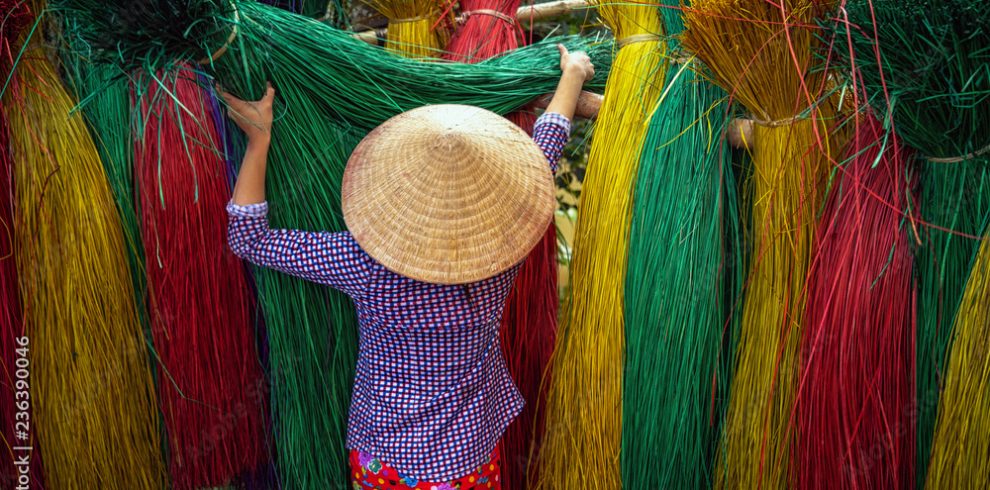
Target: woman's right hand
[577,63]
[254,118]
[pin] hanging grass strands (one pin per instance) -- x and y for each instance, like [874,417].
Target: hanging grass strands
[676,284]
[358,84]
[584,406]
[311,329]
[211,389]
[15,346]
[675,312]
[529,322]
[933,83]
[763,53]
[91,386]
[108,115]
[962,435]
[490,29]
[416,28]
[856,388]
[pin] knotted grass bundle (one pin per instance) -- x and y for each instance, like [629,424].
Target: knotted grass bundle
[91,385]
[763,53]
[529,322]
[211,388]
[856,389]
[490,29]
[584,406]
[323,109]
[684,214]
[416,28]
[925,66]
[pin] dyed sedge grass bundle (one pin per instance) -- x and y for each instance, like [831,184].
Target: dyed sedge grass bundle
[682,240]
[856,389]
[212,391]
[962,435]
[925,66]
[323,111]
[358,84]
[763,54]
[529,322]
[416,28]
[490,29]
[14,375]
[584,406]
[91,385]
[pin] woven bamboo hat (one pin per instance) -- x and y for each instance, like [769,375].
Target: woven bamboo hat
[448,194]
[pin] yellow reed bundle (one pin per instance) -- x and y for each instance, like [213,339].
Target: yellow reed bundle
[584,405]
[761,53]
[961,449]
[415,27]
[91,385]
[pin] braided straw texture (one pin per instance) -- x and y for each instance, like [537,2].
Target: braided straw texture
[448,194]
[584,407]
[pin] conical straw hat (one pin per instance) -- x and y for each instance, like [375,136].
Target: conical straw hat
[448,194]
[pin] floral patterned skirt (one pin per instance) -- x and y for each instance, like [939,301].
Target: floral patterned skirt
[370,473]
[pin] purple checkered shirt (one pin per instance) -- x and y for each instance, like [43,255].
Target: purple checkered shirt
[432,394]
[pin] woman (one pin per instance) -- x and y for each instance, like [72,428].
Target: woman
[432,394]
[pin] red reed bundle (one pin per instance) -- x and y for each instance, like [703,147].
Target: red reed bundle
[529,323]
[853,414]
[211,387]
[16,17]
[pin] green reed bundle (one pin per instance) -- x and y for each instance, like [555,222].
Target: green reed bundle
[925,66]
[332,89]
[676,284]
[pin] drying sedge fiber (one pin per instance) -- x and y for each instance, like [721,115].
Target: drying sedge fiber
[108,116]
[961,444]
[675,290]
[14,344]
[584,405]
[212,392]
[763,54]
[856,388]
[416,28]
[529,322]
[925,66]
[490,29]
[91,385]
[311,330]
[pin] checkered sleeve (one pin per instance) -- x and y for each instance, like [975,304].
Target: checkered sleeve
[551,133]
[333,259]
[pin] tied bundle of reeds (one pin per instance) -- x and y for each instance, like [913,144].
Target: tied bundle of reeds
[91,385]
[584,406]
[856,388]
[490,29]
[212,391]
[416,28]
[764,55]
[925,66]
[683,264]
[323,110]
[529,322]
